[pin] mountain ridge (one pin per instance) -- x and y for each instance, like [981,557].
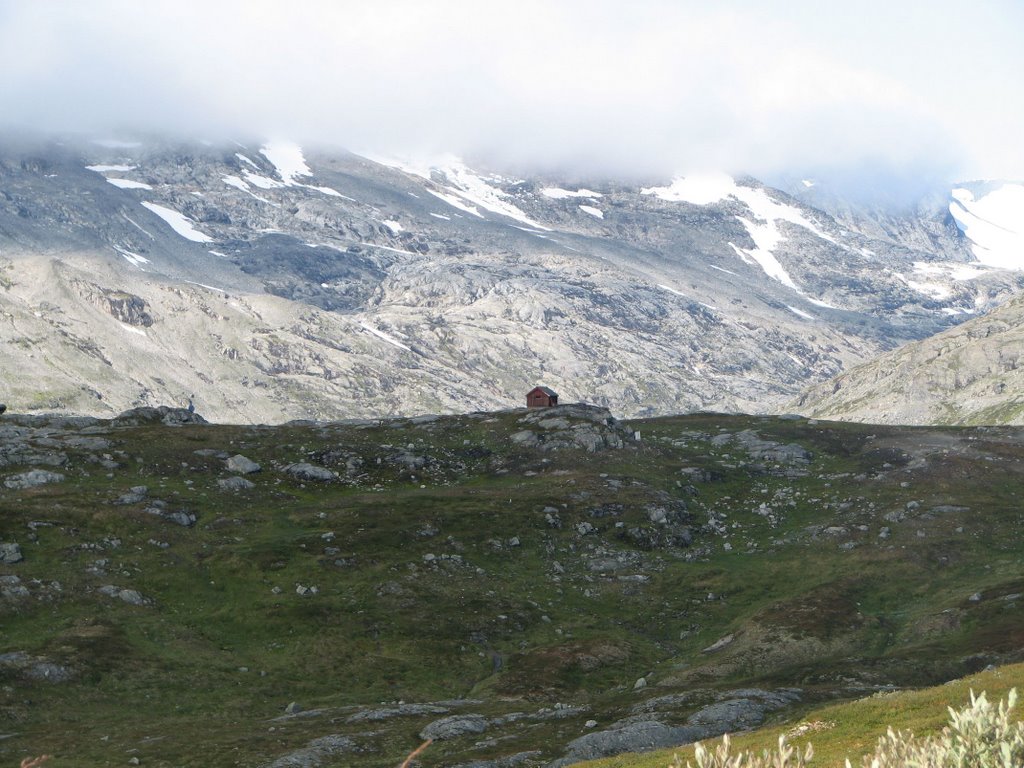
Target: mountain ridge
[441,288]
[970,374]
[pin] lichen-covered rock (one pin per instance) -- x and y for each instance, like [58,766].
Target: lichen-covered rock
[640,736]
[130,596]
[316,753]
[402,710]
[162,414]
[454,726]
[10,553]
[32,479]
[235,484]
[242,465]
[135,494]
[303,471]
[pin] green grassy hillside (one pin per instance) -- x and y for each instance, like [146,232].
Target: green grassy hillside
[848,731]
[517,572]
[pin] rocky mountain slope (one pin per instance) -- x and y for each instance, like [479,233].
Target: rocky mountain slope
[267,284]
[526,587]
[970,374]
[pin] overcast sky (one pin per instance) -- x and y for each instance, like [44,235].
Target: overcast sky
[626,88]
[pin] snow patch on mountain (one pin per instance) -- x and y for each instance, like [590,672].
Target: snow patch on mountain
[179,222]
[132,258]
[290,164]
[384,337]
[117,182]
[766,237]
[130,329]
[455,202]
[763,227]
[287,159]
[723,269]
[245,159]
[128,184]
[595,212]
[936,279]
[696,190]
[263,182]
[455,181]
[237,183]
[478,190]
[557,193]
[994,223]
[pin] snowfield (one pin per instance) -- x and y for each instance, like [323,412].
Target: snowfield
[557,193]
[128,184]
[994,223]
[384,337]
[762,226]
[463,188]
[287,158]
[179,222]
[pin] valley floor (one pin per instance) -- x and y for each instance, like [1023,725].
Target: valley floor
[525,587]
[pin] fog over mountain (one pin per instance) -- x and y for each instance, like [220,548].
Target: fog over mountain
[333,209]
[905,92]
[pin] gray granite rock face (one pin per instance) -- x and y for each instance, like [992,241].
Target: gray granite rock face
[242,465]
[318,752]
[32,478]
[303,471]
[600,304]
[640,736]
[235,484]
[454,726]
[10,553]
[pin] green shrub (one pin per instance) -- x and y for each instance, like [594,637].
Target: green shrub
[980,735]
[784,757]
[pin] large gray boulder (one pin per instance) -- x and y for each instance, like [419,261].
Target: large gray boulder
[136,494]
[318,752]
[508,761]
[402,710]
[242,465]
[235,484]
[10,553]
[163,414]
[32,479]
[454,726]
[303,471]
[641,736]
[130,596]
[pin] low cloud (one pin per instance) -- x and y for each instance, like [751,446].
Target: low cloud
[598,88]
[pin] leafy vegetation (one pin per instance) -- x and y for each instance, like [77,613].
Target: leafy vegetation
[978,736]
[935,727]
[461,564]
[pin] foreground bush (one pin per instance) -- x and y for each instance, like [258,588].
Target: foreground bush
[784,757]
[978,736]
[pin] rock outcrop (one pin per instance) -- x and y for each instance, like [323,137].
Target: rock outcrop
[971,374]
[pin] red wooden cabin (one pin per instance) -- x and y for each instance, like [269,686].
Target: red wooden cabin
[541,397]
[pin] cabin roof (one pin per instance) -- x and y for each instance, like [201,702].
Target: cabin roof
[546,390]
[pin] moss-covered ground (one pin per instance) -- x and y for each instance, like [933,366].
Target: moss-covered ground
[453,561]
